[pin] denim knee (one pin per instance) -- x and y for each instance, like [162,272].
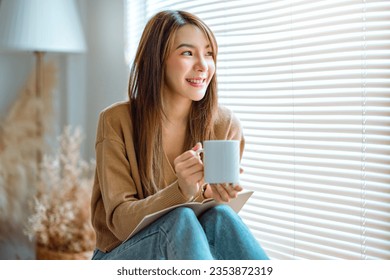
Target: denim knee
[223,211]
[183,213]
[180,219]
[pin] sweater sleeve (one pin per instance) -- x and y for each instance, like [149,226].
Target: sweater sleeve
[124,205]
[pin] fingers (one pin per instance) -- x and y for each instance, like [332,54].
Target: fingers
[190,154]
[225,192]
[185,156]
[197,146]
[188,165]
[220,193]
[189,171]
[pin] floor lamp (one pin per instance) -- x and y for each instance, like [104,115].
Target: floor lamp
[40,26]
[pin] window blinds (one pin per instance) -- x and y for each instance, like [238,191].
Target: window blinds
[310,82]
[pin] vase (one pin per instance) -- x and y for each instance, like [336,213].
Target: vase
[43,253]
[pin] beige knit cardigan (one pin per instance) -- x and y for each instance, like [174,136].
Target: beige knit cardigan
[118,203]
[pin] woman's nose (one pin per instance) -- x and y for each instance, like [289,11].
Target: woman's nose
[201,64]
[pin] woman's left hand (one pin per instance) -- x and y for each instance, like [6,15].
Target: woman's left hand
[223,192]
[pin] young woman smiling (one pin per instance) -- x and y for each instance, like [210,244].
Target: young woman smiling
[146,153]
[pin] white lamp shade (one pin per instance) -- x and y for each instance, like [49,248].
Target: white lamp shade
[40,25]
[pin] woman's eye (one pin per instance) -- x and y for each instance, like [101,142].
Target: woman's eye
[187,53]
[209,54]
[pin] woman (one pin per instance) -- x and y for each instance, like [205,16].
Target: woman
[146,153]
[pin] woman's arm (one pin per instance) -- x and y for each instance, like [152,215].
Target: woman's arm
[117,185]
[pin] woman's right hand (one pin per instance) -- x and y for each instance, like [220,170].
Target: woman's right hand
[189,171]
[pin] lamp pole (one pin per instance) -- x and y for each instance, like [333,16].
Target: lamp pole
[39,79]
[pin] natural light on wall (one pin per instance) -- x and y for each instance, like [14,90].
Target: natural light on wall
[310,81]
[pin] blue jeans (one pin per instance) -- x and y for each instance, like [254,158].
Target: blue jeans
[179,235]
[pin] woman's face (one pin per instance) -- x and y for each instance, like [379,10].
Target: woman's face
[189,66]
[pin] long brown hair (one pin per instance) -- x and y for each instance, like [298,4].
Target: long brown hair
[145,94]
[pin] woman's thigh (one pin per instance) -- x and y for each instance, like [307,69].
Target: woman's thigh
[176,235]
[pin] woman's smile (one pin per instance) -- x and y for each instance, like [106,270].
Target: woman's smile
[197,82]
[190,65]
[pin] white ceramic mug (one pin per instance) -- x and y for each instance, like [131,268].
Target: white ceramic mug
[221,160]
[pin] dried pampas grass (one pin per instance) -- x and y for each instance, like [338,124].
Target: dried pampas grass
[18,145]
[61,217]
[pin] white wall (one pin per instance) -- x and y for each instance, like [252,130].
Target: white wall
[107,73]
[98,78]
[14,69]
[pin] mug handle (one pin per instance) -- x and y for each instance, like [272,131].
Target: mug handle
[198,152]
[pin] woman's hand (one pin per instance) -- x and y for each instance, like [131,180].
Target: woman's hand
[189,171]
[223,192]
